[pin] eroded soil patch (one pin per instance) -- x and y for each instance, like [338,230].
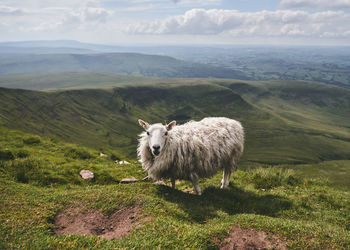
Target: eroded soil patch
[240,239]
[93,222]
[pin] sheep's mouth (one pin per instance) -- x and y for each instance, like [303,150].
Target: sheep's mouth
[156,153]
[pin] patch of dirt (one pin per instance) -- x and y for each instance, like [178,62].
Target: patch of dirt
[93,222]
[240,239]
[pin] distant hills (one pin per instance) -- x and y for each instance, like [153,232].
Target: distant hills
[59,44]
[309,63]
[118,63]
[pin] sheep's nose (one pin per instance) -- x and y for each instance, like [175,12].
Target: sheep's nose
[156,147]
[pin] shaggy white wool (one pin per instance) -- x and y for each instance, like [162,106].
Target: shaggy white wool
[194,150]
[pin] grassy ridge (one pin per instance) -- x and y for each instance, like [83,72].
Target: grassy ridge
[65,80]
[285,122]
[306,213]
[295,125]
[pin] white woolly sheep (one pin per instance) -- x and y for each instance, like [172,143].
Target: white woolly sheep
[191,151]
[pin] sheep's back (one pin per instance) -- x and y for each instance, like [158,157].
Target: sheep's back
[204,147]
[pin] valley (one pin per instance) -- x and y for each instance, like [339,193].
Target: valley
[292,183]
[286,122]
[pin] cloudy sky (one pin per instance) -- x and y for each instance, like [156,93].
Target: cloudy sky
[302,22]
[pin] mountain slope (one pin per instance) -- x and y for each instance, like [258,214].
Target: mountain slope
[278,129]
[65,80]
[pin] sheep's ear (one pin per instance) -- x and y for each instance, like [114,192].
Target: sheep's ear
[170,125]
[143,124]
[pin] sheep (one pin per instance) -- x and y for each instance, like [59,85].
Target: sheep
[191,151]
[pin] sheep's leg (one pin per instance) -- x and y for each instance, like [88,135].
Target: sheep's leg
[225,178]
[173,183]
[196,187]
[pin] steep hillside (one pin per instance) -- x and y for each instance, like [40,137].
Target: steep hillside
[119,63]
[280,128]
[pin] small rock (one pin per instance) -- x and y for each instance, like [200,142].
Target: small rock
[128,180]
[122,162]
[160,183]
[131,217]
[86,174]
[103,155]
[189,190]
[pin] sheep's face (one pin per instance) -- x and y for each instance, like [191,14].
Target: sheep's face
[157,135]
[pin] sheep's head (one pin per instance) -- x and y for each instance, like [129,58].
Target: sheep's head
[157,135]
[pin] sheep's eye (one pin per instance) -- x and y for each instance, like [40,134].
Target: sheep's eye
[147,133]
[166,133]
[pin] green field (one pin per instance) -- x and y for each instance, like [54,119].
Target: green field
[285,122]
[292,180]
[39,178]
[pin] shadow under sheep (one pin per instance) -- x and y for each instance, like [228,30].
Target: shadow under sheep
[232,200]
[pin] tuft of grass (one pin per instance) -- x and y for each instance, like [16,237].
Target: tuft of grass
[6,155]
[115,157]
[267,178]
[78,153]
[22,153]
[31,140]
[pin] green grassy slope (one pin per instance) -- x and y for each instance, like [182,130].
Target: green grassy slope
[39,178]
[65,80]
[285,122]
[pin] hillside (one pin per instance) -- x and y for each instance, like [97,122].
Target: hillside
[118,63]
[66,80]
[296,132]
[43,194]
[327,64]
[285,122]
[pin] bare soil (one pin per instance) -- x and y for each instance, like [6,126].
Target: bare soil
[93,222]
[240,239]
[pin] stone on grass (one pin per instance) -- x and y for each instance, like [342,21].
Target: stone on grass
[86,174]
[128,180]
[160,183]
[122,162]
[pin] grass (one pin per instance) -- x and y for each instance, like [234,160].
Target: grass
[41,180]
[280,128]
[294,131]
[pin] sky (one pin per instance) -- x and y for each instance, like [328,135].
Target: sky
[178,22]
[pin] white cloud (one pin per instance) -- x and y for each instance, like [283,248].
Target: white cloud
[280,23]
[197,2]
[315,4]
[10,11]
[82,18]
